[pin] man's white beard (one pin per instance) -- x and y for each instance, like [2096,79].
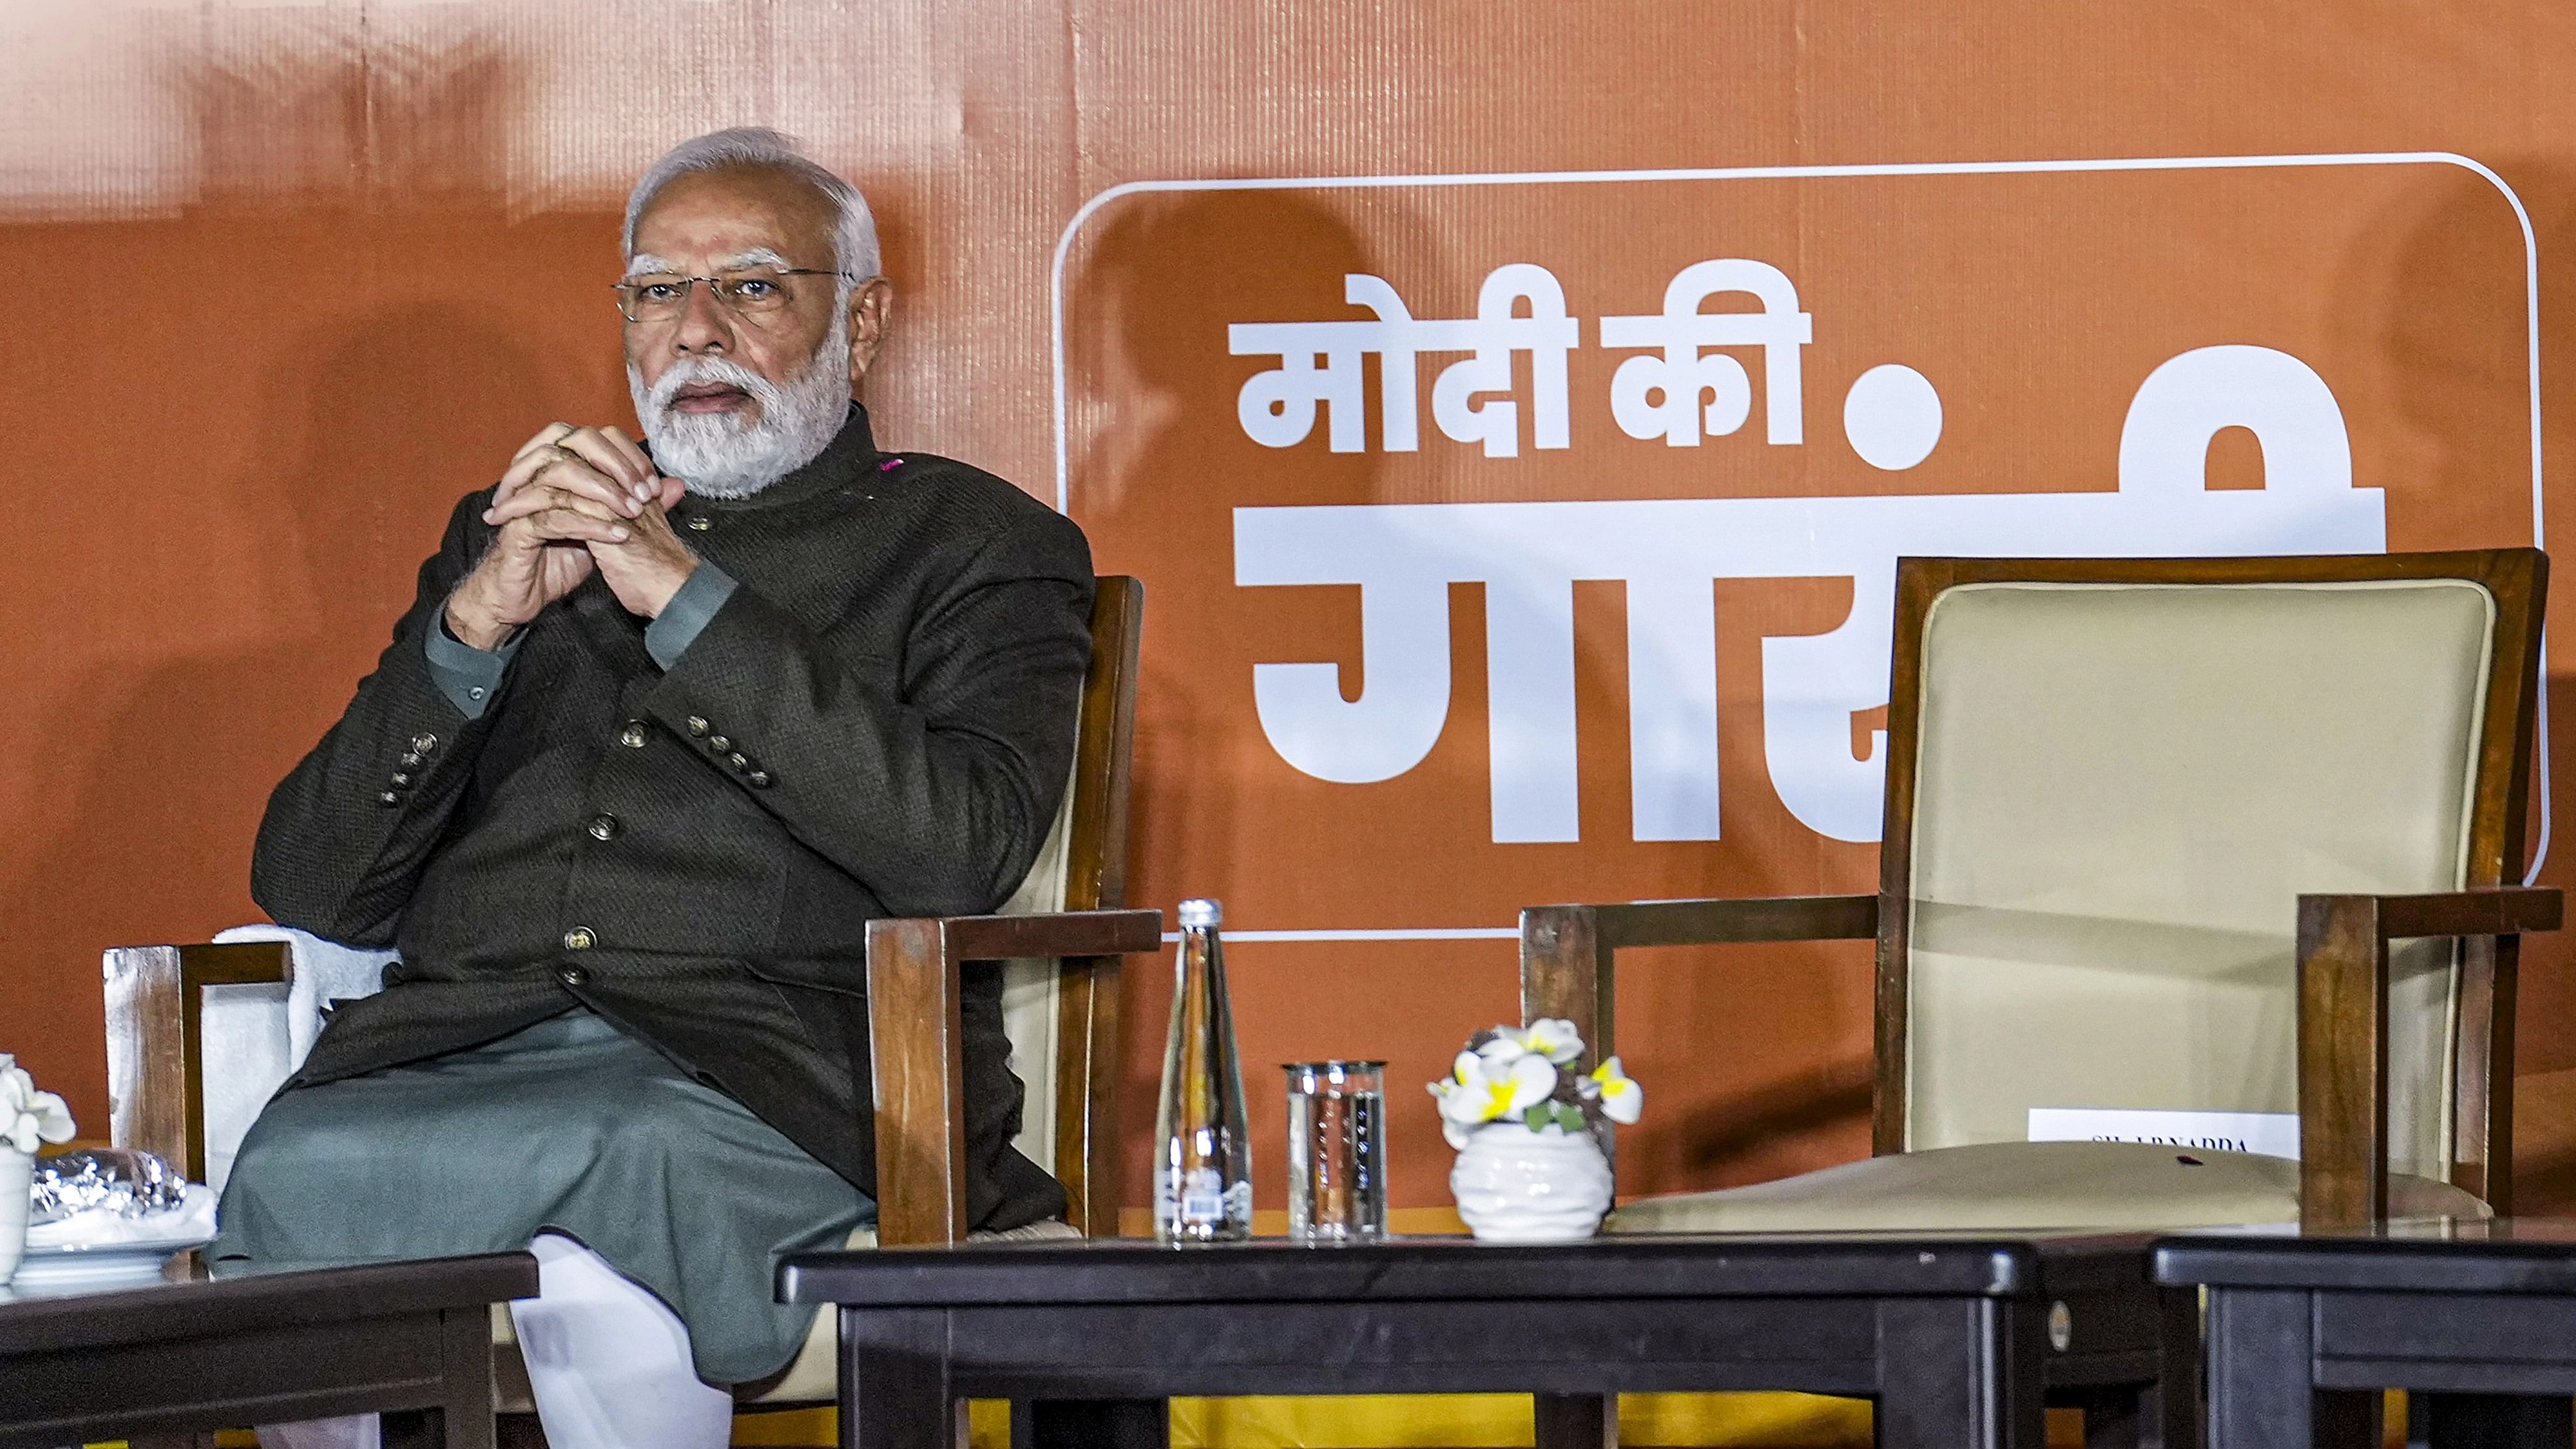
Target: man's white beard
[721,456]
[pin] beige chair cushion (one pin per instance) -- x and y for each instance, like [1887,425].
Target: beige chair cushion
[2121,792]
[2022,1187]
[1031,988]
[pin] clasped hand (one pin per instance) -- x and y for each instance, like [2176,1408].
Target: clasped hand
[573,500]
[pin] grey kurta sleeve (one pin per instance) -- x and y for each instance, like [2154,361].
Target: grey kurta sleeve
[681,620]
[468,676]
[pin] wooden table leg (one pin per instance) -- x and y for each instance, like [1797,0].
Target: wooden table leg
[2174,1402]
[417,1428]
[2164,1414]
[2262,1378]
[1575,1421]
[1094,1423]
[895,1390]
[2477,1421]
[2161,1415]
[462,1419]
[2118,1419]
[1956,1372]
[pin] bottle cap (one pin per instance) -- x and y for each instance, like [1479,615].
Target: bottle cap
[1195,913]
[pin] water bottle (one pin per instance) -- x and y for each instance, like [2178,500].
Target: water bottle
[1203,1168]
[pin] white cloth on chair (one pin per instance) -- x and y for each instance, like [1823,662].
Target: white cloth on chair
[323,972]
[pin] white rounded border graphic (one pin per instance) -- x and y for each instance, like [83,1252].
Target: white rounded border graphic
[2522,215]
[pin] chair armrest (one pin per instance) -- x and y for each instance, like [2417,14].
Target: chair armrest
[1053,933]
[2491,911]
[916,1046]
[1566,950]
[2343,1028]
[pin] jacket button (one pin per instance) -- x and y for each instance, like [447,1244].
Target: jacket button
[697,726]
[411,760]
[579,938]
[388,797]
[632,737]
[759,779]
[573,976]
[424,743]
[605,827]
[719,743]
[701,524]
[739,761]
[400,780]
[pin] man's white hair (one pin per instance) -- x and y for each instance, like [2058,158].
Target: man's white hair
[854,239]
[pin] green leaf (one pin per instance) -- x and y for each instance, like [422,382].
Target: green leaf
[1570,1117]
[1538,1116]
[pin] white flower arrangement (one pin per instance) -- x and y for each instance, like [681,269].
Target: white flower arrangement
[1525,1072]
[28,1116]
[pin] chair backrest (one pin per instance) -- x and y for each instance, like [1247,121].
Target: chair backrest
[199,1035]
[1063,1022]
[2108,782]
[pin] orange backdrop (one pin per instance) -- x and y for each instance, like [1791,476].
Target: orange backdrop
[287,279]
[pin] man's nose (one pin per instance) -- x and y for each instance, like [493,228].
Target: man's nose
[705,324]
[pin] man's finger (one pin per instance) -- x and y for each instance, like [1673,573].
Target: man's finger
[624,467]
[550,433]
[577,473]
[540,496]
[571,524]
[526,466]
[571,473]
[633,450]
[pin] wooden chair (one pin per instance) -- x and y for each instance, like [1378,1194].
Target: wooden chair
[173,1010]
[2219,835]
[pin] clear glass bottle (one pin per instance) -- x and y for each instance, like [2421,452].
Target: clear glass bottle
[1203,1166]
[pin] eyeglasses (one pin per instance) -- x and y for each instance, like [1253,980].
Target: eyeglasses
[659,299]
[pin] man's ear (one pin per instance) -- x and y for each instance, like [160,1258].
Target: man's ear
[871,309]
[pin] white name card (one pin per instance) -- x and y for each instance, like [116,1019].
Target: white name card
[2273,1134]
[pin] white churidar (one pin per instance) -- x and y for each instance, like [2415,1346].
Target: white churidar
[607,1362]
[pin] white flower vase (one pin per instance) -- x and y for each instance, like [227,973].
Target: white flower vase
[17,1189]
[1518,1186]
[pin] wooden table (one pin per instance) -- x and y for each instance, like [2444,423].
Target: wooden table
[413,1340]
[2477,1320]
[1960,1340]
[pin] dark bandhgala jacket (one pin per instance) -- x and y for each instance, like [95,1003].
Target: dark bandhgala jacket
[878,721]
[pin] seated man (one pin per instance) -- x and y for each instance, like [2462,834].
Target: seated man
[658,737]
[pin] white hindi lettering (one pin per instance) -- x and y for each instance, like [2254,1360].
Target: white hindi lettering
[1679,393]
[1659,396]
[1669,552]
[1320,365]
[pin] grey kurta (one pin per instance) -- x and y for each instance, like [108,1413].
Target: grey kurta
[570,1124]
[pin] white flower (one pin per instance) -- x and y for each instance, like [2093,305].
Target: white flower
[1554,1038]
[28,1116]
[1480,1089]
[1502,1045]
[1622,1100]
